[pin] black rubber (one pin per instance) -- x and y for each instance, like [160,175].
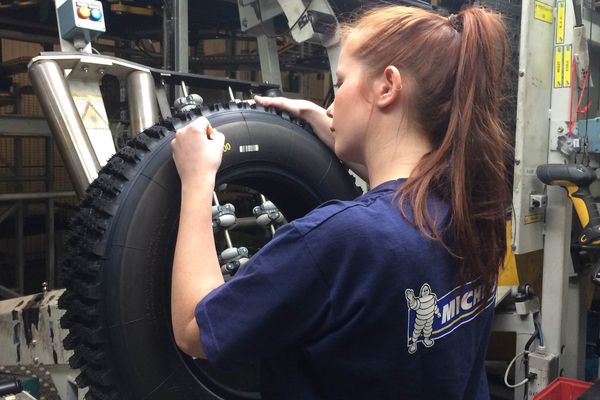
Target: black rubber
[120,248]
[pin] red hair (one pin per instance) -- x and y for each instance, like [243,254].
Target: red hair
[454,68]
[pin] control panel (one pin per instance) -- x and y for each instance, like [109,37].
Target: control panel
[81,20]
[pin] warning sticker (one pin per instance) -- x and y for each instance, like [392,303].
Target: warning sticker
[542,12]
[568,60]
[533,218]
[92,119]
[558,67]
[560,22]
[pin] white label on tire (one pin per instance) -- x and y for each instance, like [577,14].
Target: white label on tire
[248,148]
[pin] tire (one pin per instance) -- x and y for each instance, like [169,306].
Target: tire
[120,250]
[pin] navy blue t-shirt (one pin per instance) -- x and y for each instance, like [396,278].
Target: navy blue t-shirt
[353,302]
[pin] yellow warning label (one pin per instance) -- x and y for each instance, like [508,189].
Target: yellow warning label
[530,219]
[568,57]
[558,67]
[560,22]
[92,119]
[542,12]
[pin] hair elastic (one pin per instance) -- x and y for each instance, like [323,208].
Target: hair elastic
[456,22]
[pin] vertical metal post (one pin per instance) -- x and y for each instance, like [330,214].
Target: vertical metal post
[175,40]
[181,39]
[141,96]
[20,249]
[333,54]
[573,359]
[167,46]
[181,47]
[50,253]
[557,263]
[560,292]
[52,90]
[269,59]
[19,223]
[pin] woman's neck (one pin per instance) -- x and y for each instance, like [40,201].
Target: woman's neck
[393,154]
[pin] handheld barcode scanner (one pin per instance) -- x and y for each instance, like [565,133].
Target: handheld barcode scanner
[576,180]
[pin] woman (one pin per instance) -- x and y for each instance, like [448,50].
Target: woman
[389,295]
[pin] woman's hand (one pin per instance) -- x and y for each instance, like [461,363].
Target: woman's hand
[296,108]
[316,116]
[197,151]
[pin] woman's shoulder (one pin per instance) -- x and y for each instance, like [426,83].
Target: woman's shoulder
[333,214]
[351,215]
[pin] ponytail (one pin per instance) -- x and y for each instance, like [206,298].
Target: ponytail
[456,64]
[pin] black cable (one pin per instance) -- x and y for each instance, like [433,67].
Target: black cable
[585,143]
[577,10]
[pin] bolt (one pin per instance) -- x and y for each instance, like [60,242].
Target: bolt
[33,342]
[44,287]
[101,71]
[85,68]
[561,129]
[36,360]
[517,162]
[245,22]
[521,73]
[513,247]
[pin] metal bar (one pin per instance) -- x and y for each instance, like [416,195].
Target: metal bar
[35,178]
[27,37]
[20,249]
[161,98]
[245,222]
[141,94]
[19,223]
[18,163]
[50,253]
[225,231]
[8,293]
[167,45]
[180,39]
[269,58]
[118,67]
[264,200]
[211,82]
[34,196]
[65,123]
[7,213]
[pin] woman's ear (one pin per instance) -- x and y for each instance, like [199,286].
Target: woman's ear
[389,87]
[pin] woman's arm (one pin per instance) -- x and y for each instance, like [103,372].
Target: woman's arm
[197,150]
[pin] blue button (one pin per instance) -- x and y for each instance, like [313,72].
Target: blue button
[95,14]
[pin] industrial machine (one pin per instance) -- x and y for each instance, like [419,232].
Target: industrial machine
[67,84]
[555,136]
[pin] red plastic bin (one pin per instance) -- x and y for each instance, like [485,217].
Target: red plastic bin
[563,389]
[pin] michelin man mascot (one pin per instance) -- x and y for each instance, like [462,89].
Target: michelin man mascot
[426,308]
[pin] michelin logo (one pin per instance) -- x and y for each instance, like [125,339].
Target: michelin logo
[430,318]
